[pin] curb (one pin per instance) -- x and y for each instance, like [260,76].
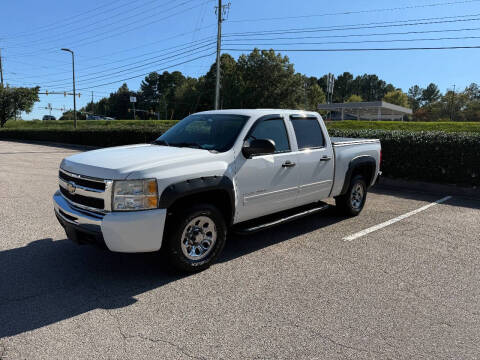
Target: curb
[425,187]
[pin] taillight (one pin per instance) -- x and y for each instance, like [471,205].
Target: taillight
[380,163]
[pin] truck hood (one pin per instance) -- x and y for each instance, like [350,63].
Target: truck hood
[117,163]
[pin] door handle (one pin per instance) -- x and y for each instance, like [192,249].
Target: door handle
[325,158]
[288,163]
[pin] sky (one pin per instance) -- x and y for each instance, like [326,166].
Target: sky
[123,40]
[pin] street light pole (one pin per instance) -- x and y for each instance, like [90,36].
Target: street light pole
[74,95]
[219,45]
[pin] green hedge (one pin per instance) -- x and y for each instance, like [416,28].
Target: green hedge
[449,158]
[95,137]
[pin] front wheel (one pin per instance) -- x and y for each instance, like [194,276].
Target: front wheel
[352,202]
[195,238]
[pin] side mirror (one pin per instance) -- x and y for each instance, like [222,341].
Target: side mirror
[258,147]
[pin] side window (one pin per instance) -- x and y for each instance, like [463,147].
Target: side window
[308,132]
[273,129]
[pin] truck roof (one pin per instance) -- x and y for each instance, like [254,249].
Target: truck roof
[258,112]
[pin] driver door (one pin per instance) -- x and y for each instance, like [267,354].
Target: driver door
[267,183]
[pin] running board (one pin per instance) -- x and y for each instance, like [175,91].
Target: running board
[269,221]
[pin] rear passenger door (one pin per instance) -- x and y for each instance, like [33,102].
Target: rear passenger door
[315,156]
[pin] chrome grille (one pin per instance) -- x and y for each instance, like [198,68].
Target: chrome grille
[85,192]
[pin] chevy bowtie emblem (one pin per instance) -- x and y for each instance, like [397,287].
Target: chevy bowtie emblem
[71,188]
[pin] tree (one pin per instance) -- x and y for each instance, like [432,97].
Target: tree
[415,97]
[431,94]
[315,96]
[396,97]
[354,98]
[15,100]
[343,87]
[269,80]
[370,87]
[473,91]
[68,115]
[119,103]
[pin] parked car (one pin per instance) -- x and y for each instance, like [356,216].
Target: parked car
[213,172]
[48,117]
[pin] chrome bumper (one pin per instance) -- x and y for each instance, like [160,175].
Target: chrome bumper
[80,219]
[130,231]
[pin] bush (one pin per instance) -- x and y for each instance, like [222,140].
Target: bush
[450,158]
[100,137]
[446,126]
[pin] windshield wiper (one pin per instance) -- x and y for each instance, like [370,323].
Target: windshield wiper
[188,144]
[161,142]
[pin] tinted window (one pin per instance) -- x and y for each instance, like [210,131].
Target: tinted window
[273,129]
[206,131]
[309,133]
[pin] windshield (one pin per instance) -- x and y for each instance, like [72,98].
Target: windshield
[216,132]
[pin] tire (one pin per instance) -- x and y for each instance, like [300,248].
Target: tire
[195,238]
[353,201]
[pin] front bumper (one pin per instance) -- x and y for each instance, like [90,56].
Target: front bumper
[135,231]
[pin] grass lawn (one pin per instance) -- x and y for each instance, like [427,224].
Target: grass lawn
[408,126]
[162,125]
[88,124]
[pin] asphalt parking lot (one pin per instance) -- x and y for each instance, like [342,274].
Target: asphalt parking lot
[409,290]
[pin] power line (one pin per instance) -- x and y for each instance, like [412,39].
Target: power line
[372,25]
[366,49]
[58,24]
[182,47]
[172,58]
[119,60]
[96,38]
[162,59]
[180,50]
[354,35]
[144,74]
[364,42]
[357,12]
[82,28]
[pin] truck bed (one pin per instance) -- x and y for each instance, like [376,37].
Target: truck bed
[344,141]
[347,149]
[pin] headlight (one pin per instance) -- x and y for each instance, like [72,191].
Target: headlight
[131,195]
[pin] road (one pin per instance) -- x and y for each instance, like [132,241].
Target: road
[409,290]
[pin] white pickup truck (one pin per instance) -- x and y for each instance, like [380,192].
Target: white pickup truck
[214,171]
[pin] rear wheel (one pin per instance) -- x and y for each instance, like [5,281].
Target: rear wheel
[195,238]
[353,201]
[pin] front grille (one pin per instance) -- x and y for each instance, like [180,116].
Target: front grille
[83,200]
[82,181]
[85,192]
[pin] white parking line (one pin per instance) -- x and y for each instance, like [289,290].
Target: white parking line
[393,221]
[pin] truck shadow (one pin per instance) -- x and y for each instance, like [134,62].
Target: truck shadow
[239,245]
[49,281]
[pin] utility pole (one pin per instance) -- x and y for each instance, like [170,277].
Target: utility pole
[92,104]
[1,69]
[74,99]
[219,46]
[452,111]
[220,9]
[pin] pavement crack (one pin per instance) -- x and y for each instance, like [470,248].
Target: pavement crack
[338,343]
[179,348]
[126,337]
